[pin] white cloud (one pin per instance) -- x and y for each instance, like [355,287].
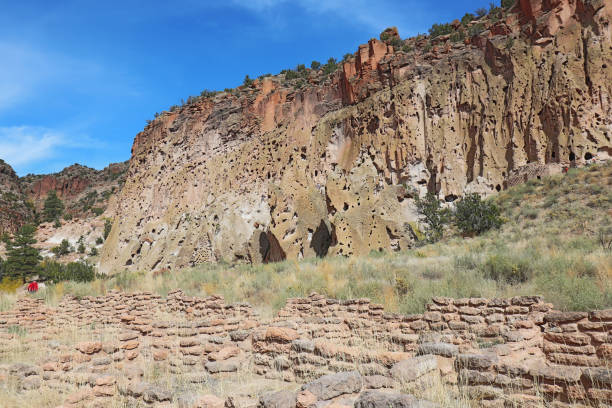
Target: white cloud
[22,145]
[376,15]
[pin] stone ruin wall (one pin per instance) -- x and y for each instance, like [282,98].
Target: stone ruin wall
[493,349]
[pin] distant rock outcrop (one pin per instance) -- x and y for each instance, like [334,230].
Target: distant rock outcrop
[81,188]
[86,193]
[14,209]
[331,165]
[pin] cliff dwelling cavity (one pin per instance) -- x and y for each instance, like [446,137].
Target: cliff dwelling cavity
[270,249]
[322,239]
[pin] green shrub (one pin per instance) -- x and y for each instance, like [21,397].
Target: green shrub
[457,36]
[108,225]
[476,29]
[247,81]
[396,43]
[290,74]
[507,3]
[81,246]
[97,211]
[67,217]
[403,287]
[53,207]
[481,12]
[435,217]
[467,19]
[330,67]
[315,65]
[62,249]
[22,258]
[208,94]
[474,216]
[506,269]
[99,241]
[437,30]
[74,271]
[93,251]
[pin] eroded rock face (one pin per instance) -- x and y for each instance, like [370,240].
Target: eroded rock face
[79,187]
[14,211]
[269,172]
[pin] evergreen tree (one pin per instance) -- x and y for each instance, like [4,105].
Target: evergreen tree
[62,249]
[108,225]
[23,258]
[81,248]
[474,216]
[434,216]
[2,267]
[54,207]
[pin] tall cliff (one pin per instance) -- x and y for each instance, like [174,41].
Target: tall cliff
[330,164]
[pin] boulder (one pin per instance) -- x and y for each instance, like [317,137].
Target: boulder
[476,361]
[279,399]
[333,385]
[411,369]
[377,399]
[227,366]
[438,349]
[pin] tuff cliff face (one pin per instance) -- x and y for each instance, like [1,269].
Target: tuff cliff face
[272,171]
[14,210]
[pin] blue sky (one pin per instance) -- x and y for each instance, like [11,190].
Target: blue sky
[79,79]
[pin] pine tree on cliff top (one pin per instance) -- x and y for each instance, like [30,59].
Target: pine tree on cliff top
[23,258]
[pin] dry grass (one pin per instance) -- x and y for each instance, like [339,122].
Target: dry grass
[551,237]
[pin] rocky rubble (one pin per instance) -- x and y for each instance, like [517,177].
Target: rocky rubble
[315,352]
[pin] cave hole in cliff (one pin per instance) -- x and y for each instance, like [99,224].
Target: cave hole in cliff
[450,198]
[572,156]
[270,249]
[588,156]
[498,188]
[322,239]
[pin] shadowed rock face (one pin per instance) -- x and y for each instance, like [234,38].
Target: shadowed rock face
[332,167]
[13,209]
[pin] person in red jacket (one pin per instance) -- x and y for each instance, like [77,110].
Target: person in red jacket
[33,287]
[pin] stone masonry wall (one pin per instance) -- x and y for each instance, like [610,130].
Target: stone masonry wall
[494,350]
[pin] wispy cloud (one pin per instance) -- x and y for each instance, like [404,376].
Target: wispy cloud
[27,72]
[23,145]
[373,15]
